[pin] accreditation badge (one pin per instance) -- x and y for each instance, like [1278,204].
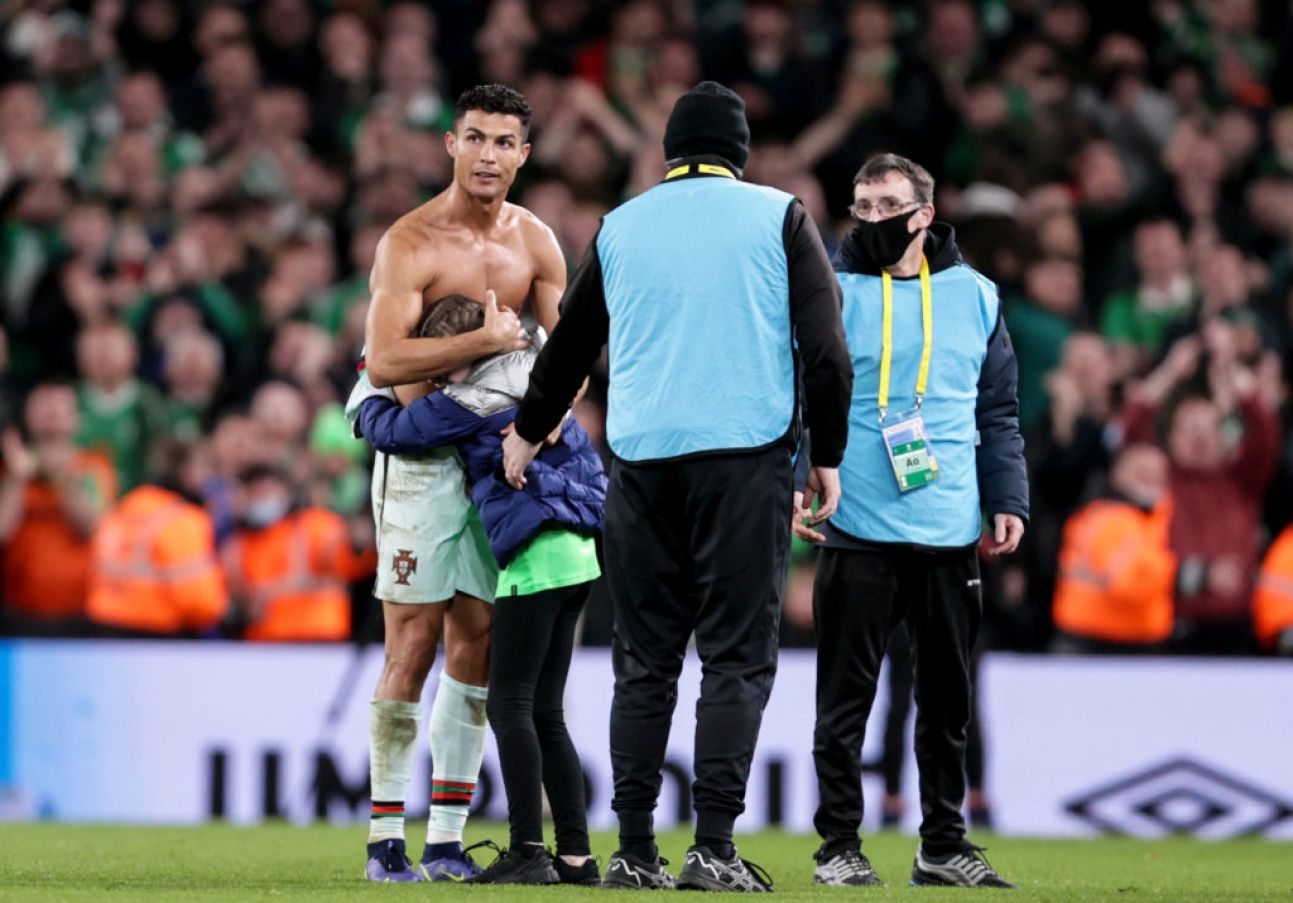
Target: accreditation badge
[908,448]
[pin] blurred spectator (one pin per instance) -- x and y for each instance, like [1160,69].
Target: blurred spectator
[1068,455]
[1135,321]
[1040,322]
[1217,480]
[1117,572]
[285,42]
[289,567]
[764,60]
[154,569]
[193,365]
[154,35]
[280,419]
[1127,109]
[347,48]
[340,477]
[29,146]
[119,414]
[216,176]
[51,498]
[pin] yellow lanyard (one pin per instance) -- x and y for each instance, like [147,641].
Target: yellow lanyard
[886,347]
[708,169]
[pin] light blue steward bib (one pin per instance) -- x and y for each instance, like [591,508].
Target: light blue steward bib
[697,290]
[945,513]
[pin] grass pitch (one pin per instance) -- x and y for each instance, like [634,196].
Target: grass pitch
[50,862]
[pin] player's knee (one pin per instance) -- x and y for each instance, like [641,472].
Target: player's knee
[468,660]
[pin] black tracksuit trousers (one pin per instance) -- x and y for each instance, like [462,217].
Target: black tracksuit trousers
[859,596]
[698,545]
[901,680]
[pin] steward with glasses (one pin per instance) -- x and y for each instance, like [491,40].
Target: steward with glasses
[933,445]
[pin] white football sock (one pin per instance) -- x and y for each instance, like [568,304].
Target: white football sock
[457,748]
[392,737]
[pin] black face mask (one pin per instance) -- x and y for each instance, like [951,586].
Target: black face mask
[886,240]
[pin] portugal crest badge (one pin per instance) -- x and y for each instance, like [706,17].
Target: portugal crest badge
[404,564]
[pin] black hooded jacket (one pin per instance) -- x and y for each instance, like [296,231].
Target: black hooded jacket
[1002,474]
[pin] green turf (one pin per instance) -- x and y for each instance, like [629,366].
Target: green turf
[49,862]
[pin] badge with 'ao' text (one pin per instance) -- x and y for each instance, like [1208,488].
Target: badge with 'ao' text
[908,447]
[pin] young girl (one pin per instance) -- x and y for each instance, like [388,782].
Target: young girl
[542,538]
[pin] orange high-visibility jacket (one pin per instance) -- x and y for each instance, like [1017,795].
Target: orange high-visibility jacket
[1273,601]
[1117,574]
[46,563]
[290,577]
[153,566]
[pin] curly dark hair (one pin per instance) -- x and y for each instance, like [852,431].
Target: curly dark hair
[493,99]
[452,315]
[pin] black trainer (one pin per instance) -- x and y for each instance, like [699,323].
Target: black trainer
[586,874]
[844,868]
[704,870]
[964,868]
[626,871]
[512,867]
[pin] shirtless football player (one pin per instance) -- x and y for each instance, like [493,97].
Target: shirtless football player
[436,574]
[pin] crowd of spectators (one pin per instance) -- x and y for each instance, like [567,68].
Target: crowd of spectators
[191,195]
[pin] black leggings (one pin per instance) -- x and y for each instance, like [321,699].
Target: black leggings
[531,643]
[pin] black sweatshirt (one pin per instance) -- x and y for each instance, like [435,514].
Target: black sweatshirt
[824,365]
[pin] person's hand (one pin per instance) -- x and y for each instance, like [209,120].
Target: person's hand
[517,455]
[823,488]
[19,462]
[1226,576]
[1008,530]
[1180,364]
[56,461]
[799,516]
[1183,359]
[503,329]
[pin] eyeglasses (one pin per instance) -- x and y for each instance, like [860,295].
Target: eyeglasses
[886,207]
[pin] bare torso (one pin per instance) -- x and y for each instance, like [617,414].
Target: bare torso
[435,251]
[452,259]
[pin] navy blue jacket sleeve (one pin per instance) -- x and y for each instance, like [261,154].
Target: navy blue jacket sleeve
[1003,477]
[423,424]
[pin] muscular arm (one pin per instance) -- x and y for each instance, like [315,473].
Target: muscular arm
[392,357]
[550,275]
[549,286]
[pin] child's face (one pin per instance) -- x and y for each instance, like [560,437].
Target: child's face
[457,376]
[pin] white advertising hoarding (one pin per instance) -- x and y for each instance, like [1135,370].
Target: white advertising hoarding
[184,732]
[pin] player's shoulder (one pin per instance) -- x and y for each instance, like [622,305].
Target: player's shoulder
[411,230]
[528,223]
[538,237]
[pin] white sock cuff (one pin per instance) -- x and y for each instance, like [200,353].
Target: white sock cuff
[469,691]
[395,708]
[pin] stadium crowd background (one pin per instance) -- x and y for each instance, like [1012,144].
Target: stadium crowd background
[191,195]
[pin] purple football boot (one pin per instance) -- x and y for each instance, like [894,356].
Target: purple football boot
[450,862]
[387,863]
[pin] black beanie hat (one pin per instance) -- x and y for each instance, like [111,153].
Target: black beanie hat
[708,119]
